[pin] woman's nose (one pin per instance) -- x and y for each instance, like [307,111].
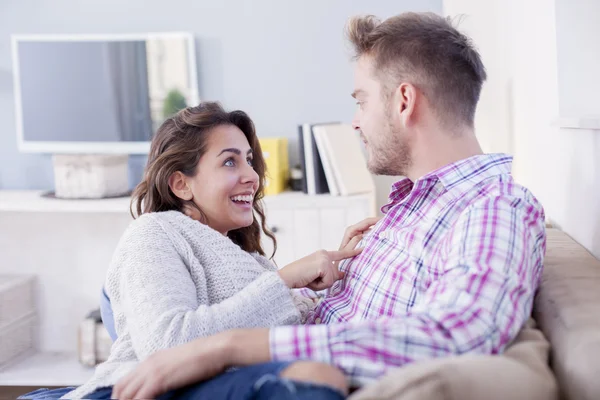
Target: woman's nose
[249,175]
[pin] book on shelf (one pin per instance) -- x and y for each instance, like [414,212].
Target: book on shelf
[275,153]
[314,180]
[332,160]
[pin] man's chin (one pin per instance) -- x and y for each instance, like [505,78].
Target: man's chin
[381,170]
[373,168]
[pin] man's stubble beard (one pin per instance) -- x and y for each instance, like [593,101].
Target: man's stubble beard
[391,156]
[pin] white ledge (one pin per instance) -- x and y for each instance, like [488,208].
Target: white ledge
[590,122]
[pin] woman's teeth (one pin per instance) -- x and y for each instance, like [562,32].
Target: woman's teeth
[246,198]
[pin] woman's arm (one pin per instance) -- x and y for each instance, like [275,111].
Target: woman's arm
[155,299]
[304,304]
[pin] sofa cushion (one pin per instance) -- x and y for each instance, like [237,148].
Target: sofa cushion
[522,372]
[567,309]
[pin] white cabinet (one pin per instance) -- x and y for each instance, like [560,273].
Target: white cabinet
[303,224]
[68,245]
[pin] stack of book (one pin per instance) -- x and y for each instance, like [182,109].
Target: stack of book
[332,160]
[18,317]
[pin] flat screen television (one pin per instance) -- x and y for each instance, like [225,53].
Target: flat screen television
[99,94]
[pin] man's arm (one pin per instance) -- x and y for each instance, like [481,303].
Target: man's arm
[488,276]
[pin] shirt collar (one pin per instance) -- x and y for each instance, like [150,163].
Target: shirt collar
[467,172]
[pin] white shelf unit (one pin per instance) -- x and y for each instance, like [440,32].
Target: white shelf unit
[68,244]
[46,369]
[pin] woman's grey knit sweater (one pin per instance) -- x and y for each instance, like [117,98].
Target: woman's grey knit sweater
[173,279]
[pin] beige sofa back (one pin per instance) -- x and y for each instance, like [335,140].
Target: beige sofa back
[567,310]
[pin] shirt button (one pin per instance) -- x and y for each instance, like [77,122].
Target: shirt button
[317,320]
[384,235]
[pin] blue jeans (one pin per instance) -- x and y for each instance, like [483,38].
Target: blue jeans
[257,382]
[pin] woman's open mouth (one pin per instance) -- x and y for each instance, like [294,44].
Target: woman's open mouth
[244,201]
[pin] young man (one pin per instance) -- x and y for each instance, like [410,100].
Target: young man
[451,268]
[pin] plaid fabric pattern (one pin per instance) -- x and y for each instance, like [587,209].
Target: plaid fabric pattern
[451,268]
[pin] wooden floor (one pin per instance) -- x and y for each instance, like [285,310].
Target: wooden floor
[12,392]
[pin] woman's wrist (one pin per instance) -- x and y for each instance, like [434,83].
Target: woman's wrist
[284,274]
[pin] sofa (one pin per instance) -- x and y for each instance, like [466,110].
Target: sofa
[555,356]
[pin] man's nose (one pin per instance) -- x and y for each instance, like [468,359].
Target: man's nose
[355,123]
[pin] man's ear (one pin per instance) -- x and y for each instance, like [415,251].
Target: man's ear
[405,98]
[179,186]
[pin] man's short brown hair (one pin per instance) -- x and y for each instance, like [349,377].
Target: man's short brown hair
[426,50]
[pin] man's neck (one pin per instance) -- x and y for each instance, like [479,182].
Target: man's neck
[440,149]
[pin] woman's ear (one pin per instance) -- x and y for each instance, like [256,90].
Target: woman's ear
[179,186]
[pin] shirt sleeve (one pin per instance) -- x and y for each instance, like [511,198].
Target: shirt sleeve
[489,268]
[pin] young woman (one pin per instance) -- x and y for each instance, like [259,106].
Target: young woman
[192,265]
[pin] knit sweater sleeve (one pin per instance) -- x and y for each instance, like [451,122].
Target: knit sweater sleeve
[159,301]
[305,304]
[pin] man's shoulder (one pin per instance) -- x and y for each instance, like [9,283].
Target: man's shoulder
[499,192]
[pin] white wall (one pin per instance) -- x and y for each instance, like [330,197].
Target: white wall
[487,24]
[560,166]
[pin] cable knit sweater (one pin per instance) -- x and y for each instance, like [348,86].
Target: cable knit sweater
[173,279]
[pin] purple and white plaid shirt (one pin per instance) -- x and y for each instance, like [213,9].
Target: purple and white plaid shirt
[452,268]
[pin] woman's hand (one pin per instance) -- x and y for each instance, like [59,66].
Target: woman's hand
[318,271]
[174,368]
[358,229]
[356,233]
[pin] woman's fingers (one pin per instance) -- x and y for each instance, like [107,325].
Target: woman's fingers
[355,241]
[358,228]
[347,252]
[127,388]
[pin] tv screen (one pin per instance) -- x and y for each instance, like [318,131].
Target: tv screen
[99,94]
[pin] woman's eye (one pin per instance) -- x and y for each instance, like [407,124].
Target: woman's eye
[250,162]
[229,163]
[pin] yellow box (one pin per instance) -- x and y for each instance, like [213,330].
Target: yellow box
[275,153]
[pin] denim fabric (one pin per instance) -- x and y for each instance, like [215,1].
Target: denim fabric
[256,382]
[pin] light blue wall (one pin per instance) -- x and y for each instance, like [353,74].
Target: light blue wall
[284,62]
